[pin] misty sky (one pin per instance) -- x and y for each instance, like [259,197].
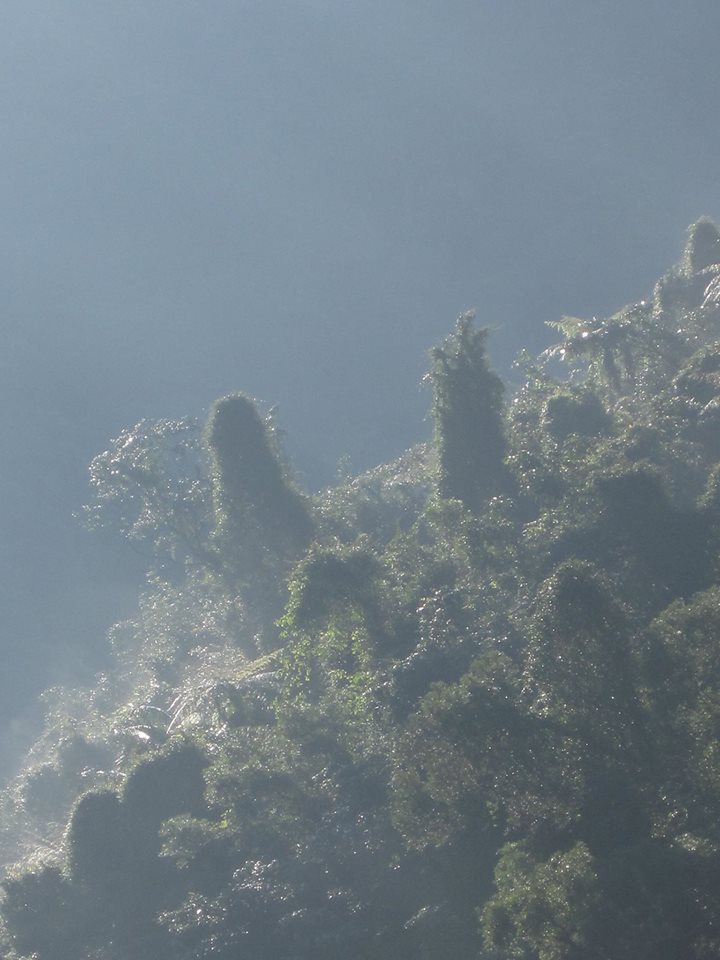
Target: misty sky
[295,199]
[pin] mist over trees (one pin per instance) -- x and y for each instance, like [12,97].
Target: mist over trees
[294,200]
[464,704]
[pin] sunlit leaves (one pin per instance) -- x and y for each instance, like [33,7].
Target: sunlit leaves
[544,909]
[153,485]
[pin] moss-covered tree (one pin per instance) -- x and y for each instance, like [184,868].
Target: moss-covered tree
[468,413]
[702,249]
[262,523]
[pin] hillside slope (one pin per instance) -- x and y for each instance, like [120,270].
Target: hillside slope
[465,705]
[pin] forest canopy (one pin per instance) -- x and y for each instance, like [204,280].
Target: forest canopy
[463,705]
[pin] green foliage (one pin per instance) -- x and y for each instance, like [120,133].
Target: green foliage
[379,504]
[683,294]
[698,381]
[49,789]
[164,786]
[682,664]
[262,524]
[251,488]
[670,545]
[646,902]
[702,248]
[39,913]
[468,415]
[579,666]
[631,353]
[338,632]
[327,581]
[582,415]
[97,841]
[492,725]
[153,486]
[116,882]
[544,910]
[474,754]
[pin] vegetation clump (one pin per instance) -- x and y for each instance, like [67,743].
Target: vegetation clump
[468,412]
[464,705]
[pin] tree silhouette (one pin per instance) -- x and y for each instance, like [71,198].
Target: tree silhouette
[468,417]
[262,523]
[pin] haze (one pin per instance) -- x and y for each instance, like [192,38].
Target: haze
[296,200]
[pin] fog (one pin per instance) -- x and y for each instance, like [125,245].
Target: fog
[295,200]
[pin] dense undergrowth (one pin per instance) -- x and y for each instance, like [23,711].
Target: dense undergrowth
[465,705]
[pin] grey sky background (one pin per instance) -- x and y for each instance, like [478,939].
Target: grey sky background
[295,199]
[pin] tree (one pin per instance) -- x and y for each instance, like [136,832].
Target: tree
[702,249]
[545,910]
[152,486]
[468,413]
[251,486]
[683,288]
[579,669]
[262,523]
